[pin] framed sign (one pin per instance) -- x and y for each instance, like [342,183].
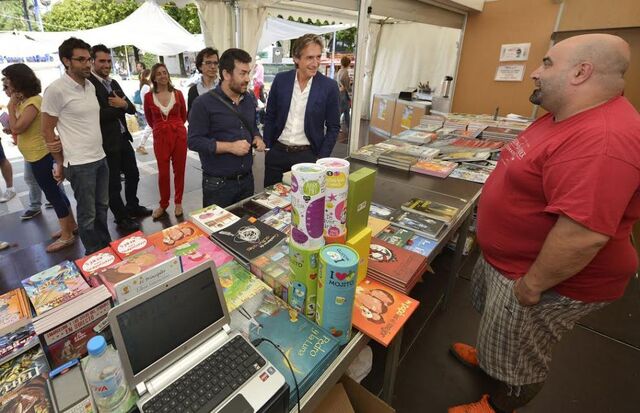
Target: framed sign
[510,73]
[514,52]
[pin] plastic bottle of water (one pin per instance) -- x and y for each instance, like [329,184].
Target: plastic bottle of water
[105,377]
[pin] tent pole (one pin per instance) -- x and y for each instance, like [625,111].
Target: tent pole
[333,56]
[358,78]
[126,56]
[236,17]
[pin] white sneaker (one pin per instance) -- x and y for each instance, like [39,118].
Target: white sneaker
[8,194]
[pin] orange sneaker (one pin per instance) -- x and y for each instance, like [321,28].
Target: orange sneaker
[466,354]
[482,406]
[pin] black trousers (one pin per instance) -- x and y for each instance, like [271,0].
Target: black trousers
[123,161]
[278,161]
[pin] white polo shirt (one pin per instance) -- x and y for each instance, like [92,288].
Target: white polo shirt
[78,113]
[293,132]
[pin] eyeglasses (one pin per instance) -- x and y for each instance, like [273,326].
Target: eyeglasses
[210,63]
[83,60]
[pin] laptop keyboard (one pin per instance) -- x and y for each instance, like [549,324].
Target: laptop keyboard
[210,382]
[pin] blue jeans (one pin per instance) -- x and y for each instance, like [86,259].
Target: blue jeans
[90,184]
[54,192]
[224,192]
[35,194]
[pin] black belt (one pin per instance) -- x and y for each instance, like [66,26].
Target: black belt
[292,148]
[232,177]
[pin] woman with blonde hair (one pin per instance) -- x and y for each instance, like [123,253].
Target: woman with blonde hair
[166,113]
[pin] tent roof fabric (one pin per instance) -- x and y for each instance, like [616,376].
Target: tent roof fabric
[276,29]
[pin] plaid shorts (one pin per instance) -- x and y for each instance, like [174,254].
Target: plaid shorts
[515,342]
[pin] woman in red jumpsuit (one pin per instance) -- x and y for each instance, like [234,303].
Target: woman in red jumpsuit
[166,113]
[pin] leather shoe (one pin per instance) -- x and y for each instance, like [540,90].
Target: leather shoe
[127,225]
[140,212]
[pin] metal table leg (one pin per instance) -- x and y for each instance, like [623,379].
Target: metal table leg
[391,367]
[457,258]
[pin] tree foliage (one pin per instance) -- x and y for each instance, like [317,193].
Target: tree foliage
[186,16]
[12,16]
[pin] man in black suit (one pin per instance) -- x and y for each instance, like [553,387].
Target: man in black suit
[116,141]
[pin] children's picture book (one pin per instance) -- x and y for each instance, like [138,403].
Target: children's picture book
[278,218]
[54,286]
[249,238]
[395,235]
[271,200]
[238,284]
[212,218]
[377,225]
[395,266]
[31,397]
[130,244]
[280,189]
[434,167]
[421,245]
[430,209]
[200,250]
[380,311]
[174,236]
[18,371]
[15,311]
[92,264]
[427,227]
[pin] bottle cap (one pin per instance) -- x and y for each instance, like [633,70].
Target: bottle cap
[96,346]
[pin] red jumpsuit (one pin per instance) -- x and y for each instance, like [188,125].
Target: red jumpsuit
[169,145]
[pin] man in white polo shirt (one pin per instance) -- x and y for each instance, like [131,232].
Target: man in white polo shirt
[70,105]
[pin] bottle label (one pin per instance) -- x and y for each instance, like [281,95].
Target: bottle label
[108,385]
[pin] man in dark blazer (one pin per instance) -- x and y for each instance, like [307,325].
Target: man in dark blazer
[116,141]
[303,112]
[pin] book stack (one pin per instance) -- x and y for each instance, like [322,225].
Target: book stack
[16,331]
[201,249]
[271,200]
[91,265]
[430,123]
[65,330]
[397,160]
[434,167]
[238,284]
[395,235]
[309,348]
[500,133]
[415,137]
[380,311]
[395,267]
[174,236]
[273,268]
[55,286]
[278,218]
[430,209]
[421,225]
[420,245]
[281,190]
[212,219]
[475,172]
[420,152]
[247,239]
[371,153]
[249,210]
[23,384]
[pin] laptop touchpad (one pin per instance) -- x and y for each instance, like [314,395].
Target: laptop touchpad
[237,405]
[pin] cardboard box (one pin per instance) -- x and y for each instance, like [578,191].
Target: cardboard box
[350,397]
[407,115]
[382,111]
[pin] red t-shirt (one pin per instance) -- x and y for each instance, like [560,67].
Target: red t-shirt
[586,167]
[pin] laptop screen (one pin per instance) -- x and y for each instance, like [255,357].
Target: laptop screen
[162,323]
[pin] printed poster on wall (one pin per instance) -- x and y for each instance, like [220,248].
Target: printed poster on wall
[510,73]
[514,52]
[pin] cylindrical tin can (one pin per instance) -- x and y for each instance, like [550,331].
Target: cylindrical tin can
[304,267]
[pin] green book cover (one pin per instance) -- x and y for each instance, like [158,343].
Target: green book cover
[361,187]
[238,284]
[396,236]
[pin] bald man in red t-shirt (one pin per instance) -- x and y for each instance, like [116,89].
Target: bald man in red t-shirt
[554,219]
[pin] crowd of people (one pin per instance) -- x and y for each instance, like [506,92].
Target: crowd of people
[77,130]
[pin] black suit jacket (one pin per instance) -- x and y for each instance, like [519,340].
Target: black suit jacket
[110,117]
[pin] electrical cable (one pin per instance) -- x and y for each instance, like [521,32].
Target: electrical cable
[256,342]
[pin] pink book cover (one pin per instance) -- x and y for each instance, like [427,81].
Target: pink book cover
[90,265]
[200,250]
[172,237]
[130,244]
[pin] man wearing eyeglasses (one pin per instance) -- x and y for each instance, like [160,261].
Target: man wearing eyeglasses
[70,105]
[207,64]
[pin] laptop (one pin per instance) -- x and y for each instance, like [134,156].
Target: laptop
[177,349]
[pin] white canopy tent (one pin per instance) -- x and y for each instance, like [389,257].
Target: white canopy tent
[148,28]
[276,29]
[22,45]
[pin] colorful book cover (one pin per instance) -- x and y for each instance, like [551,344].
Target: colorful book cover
[430,209]
[18,371]
[281,190]
[278,278]
[377,225]
[130,244]
[395,235]
[15,311]
[380,211]
[422,225]
[278,218]
[474,173]
[361,187]
[278,254]
[90,265]
[201,249]
[139,272]
[212,218]
[172,237]
[270,200]
[238,284]
[421,245]
[394,262]
[32,397]
[17,342]
[54,286]
[434,167]
[380,311]
[249,238]
[69,340]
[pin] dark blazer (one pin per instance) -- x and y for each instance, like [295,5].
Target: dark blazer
[322,115]
[191,96]
[110,117]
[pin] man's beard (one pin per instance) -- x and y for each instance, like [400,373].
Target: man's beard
[536,97]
